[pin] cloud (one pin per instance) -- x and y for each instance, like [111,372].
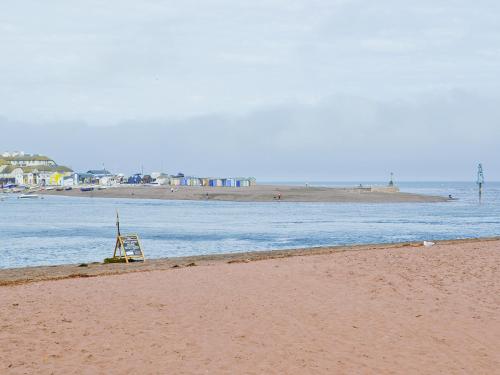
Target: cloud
[107,62]
[319,89]
[340,138]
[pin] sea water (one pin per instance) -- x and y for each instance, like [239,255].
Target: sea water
[59,230]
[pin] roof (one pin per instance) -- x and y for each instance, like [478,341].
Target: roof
[99,171]
[36,168]
[85,175]
[28,158]
[9,168]
[39,168]
[62,168]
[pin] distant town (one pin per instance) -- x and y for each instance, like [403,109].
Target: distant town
[18,169]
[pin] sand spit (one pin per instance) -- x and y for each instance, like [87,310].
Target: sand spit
[385,310]
[258,193]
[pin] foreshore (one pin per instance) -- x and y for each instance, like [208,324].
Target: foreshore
[22,275]
[400,308]
[257,193]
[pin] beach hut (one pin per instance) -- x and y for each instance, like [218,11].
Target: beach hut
[242,182]
[175,181]
[193,181]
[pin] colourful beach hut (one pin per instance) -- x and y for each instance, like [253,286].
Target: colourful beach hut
[230,182]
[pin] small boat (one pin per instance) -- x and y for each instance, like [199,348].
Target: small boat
[87,189]
[59,189]
[101,187]
[67,188]
[28,196]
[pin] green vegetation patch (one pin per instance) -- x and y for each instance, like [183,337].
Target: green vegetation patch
[114,260]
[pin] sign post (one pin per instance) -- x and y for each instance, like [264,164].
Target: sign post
[127,246]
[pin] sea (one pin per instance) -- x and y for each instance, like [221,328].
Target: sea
[62,230]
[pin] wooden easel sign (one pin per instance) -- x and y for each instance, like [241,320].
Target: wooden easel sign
[127,246]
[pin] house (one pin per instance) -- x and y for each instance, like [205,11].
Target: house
[24,169]
[163,179]
[56,178]
[97,176]
[69,181]
[11,174]
[84,178]
[26,160]
[98,173]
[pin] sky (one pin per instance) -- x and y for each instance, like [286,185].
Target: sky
[277,89]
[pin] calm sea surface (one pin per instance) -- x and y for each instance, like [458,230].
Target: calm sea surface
[58,230]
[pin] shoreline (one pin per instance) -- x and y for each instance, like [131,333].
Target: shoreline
[33,274]
[257,193]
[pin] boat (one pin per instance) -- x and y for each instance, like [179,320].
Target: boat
[67,188]
[28,196]
[87,189]
[59,189]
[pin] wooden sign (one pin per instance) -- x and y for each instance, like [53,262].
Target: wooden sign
[129,248]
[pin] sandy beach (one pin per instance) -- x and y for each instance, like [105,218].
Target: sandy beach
[257,193]
[396,309]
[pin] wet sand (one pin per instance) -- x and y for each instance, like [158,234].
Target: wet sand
[397,309]
[258,193]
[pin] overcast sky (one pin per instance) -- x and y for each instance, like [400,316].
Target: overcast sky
[276,89]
